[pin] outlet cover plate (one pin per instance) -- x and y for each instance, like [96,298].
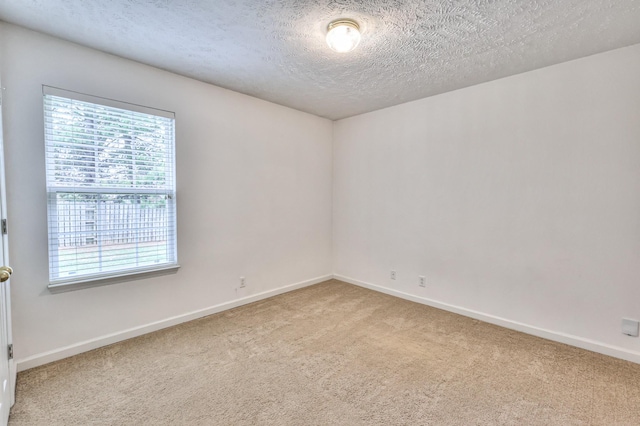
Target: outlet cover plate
[630,327]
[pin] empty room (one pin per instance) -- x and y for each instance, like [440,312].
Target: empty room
[385,212]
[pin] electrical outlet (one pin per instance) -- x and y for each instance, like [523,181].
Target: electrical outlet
[630,327]
[393,275]
[422,281]
[243,283]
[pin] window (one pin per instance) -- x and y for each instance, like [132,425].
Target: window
[110,172]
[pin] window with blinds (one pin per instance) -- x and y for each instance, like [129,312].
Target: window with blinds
[110,170]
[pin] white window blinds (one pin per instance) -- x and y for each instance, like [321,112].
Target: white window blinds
[110,172]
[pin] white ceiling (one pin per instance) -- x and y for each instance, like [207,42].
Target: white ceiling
[275,49]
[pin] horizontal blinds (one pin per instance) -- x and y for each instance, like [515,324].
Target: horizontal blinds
[111,187]
[93,145]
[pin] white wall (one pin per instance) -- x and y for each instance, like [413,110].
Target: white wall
[519,199]
[254,197]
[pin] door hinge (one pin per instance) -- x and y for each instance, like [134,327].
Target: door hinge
[4,226]
[11,351]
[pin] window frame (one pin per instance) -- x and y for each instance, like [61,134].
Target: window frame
[52,191]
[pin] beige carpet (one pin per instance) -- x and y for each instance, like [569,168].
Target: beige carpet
[332,354]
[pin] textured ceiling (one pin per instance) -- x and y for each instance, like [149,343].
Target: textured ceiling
[275,49]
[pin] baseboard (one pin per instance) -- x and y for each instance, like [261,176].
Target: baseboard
[590,345]
[67,351]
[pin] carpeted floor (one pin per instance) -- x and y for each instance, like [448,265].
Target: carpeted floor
[332,354]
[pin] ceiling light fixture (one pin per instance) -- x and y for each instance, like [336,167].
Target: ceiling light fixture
[343,35]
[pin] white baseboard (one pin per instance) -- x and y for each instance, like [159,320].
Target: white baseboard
[590,345]
[67,351]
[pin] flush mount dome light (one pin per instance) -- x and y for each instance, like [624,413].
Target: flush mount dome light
[343,35]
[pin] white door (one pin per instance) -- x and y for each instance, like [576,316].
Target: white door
[7,366]
[6,386]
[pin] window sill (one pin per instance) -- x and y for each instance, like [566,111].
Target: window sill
[115,278]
